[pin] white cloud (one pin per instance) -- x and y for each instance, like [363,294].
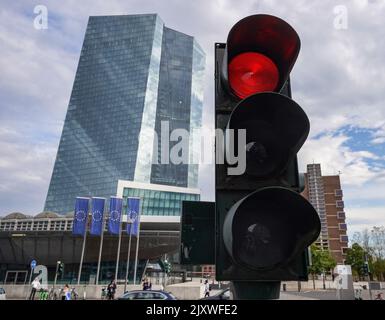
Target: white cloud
[25,169]
[339,79]
[360,218]
[335,158]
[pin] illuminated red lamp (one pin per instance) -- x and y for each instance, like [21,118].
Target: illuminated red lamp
[260,53]
[252,72]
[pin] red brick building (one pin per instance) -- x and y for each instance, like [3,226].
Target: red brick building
[325,194]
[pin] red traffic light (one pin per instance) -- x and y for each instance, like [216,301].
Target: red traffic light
[260,52]
[252,72]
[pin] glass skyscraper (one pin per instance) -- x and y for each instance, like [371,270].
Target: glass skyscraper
[133,74]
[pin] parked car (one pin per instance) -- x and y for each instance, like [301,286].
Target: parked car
[222,295]
[147,295]
[2,294]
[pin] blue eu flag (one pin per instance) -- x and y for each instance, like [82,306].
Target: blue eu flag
[80,216]
[97,216]
[133,214]
[115,215]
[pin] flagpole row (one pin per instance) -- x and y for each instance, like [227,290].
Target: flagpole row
[137,243]
[118,253]
[100,250]
[82,256]
[128,258]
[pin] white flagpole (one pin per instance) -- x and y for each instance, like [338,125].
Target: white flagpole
[83,249]
[128,257]
[118,253]
[101,247]
[137,242]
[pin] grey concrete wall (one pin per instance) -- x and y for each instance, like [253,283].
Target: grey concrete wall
[186,290]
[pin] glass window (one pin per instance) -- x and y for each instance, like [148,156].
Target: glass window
[341,215]
[342,226]
[338,193]
[339,204]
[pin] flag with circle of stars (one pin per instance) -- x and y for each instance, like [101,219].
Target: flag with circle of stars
[133,214]
[80,216]
[116,205]
[97,214]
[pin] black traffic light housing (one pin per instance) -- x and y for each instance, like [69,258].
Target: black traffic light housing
[263,225]
[60,268]
[365,268]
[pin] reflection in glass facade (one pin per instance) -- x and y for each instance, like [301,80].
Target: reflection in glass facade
[133,72]
[159,203]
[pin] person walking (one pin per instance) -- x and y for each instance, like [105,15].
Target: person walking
[35,287]
[111,289]
[207,288]
[66,293]
[145,284]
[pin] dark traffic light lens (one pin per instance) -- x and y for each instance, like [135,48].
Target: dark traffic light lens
[269,227]
[252,72]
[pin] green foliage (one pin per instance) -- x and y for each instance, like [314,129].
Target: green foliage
[355,256]
[322,260]
[372,244]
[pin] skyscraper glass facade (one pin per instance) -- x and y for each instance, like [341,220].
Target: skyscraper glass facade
[133,73]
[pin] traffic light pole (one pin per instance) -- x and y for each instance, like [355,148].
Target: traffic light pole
[255,290]
[57,267]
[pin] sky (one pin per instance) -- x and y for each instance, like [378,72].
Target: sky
[338,79]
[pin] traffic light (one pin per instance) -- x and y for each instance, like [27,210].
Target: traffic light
[264,225]
[60,268]
[365,268]
[165,265]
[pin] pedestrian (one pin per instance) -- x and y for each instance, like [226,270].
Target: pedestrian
[207,288]
[35,287]
[111,289]
[145,284]
[379,296]
[66,293]
[150,286]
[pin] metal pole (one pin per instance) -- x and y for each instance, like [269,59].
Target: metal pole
[118,253]
[81,259]
[54,282]
[137,249]
[100,249]
[30,276]
[255,290]
[128,259]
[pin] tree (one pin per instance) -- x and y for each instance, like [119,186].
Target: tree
[355,256]
[369,244]
[378,268]
[378,242]
[322,262]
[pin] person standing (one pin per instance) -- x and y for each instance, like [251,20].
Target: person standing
[145,284]
[207,288]
[66,293]
[111,290]
[35,287]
